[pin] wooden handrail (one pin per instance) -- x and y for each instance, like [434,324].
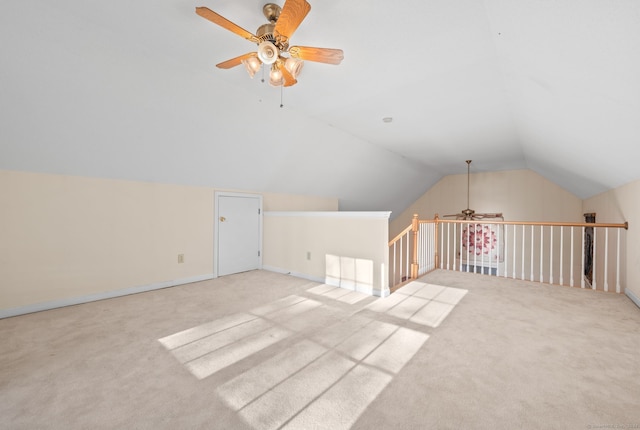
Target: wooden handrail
[397,238]
[624,225]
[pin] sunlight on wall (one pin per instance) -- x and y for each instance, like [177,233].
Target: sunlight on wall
[350,273]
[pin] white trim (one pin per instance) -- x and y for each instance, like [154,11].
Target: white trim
[331,214]
[635,299]
[216,195]
[384,293]
[329,281]
[45,306]
[296,274]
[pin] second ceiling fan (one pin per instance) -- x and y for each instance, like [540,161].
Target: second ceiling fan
[470,214]
[273,43]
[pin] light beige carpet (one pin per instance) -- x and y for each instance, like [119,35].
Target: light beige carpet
[260,350]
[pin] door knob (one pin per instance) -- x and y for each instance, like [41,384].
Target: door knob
[222,219]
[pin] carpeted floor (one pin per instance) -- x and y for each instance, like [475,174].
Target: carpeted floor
[260,350]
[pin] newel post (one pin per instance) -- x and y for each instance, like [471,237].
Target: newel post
[415,225]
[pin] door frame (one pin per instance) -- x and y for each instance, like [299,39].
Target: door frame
[216,222]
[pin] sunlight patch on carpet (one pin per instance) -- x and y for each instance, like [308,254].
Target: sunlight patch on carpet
[397,350]
[248,386]
[196,333]
[420,303]
[325,379]
[215,345]
[285,400]
[333,334]
[365,340]
[341,406]
[340,294]
[326,383]
[211,363]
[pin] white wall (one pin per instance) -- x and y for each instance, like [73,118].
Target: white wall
[348,249]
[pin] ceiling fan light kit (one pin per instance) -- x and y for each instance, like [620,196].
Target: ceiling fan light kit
[253,65]
[273,43]
[268,53]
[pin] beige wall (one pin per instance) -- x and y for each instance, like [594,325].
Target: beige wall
[521,195]
[616,206]
[344,246]
[65,237]
[286,202]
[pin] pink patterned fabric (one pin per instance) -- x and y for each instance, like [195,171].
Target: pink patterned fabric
[482,243]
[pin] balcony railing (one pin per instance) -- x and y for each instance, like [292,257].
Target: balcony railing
[585,255]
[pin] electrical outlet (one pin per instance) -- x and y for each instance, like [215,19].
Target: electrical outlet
[180,258]
[308,255]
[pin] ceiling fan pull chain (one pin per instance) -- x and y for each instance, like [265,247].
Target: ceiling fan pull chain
[281,92]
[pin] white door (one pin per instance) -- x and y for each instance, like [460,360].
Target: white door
[239,232]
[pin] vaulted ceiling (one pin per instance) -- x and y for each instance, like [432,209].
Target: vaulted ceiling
[129,89]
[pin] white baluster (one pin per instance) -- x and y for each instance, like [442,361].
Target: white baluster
[561,254]
[606,258]
[618,264]
[594,259]
[551,254]
[541,251]
[531,275]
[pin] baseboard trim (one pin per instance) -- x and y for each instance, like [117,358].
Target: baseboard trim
[54,304]
[635,299]
[330,281]
[296,274]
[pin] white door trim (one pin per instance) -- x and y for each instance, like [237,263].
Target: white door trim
[216,221]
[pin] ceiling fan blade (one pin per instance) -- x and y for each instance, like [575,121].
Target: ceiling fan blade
[493,215]
[320,55]
[292,14]
[236,61]
[207,13]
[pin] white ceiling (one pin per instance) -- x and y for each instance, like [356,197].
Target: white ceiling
[129,89]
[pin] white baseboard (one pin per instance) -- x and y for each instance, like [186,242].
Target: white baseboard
[37,307]
[635,299]
[384,293]
[335,282]
[296,274]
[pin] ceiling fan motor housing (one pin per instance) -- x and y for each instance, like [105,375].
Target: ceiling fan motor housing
[265,32]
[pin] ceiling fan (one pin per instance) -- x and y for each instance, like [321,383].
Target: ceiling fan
[273,43]
[470,214]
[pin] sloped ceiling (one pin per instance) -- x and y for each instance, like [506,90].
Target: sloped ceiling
[129,89]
